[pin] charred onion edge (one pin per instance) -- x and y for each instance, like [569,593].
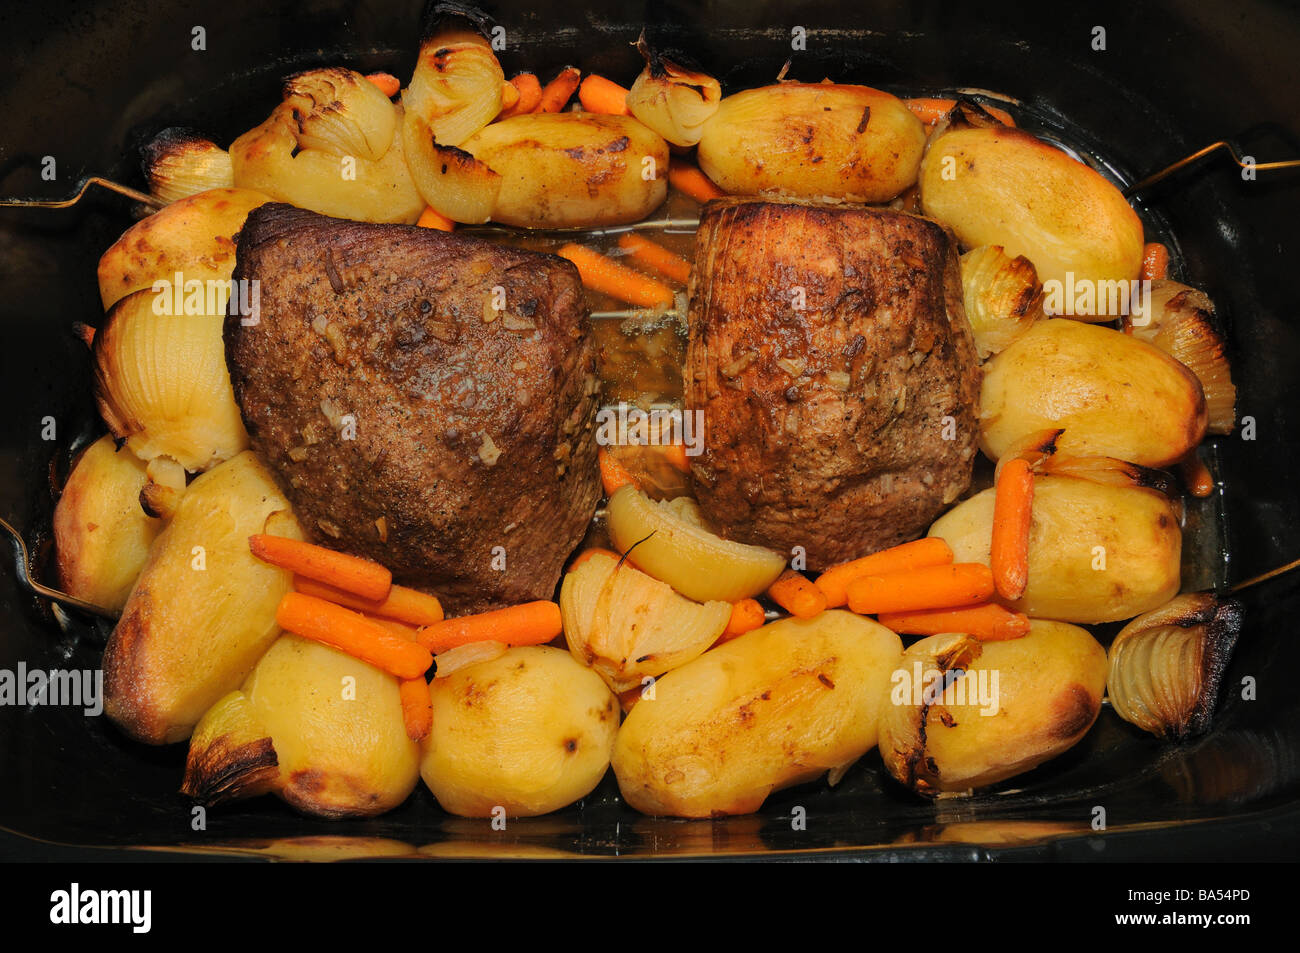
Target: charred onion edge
[450,16]
[223,771]
[919,771]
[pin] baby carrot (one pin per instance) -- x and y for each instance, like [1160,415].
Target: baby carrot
[688,179]
[405,605]
[509,97]
[930,110]
[600,95]
[613,475]
[1012,515]
[618,281]
[675,455]
[1155,261]
[431,218]
[796,595]
[417,707]
[388,83]
[655,257]
[353,633]
[928,551]
[931,587]
[533,623]
[1200,483]
[351,573]
[987,623]
[746,616]
[557,93]
[529,96]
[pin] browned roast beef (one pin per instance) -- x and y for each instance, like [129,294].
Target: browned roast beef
[832,359]
[408,418]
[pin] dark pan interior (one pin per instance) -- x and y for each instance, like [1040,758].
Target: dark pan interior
[87,82]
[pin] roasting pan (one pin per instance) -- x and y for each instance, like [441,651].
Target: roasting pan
[86,82]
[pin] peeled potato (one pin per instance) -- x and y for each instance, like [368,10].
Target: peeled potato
[194,236]
[821,140]
[319,728]
[528,732]
[777,706]
[569,170]
[1019,703]
[203,610]
[100,530]
[1115,396]
[998,185]
[668,540]
[1097,553]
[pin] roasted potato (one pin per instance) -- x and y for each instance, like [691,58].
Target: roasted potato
[1097,553]
[1018,703]
[101,533]
[319,728]
[193,236]
[998,185]
[669,541]
[161,382]
[530,732]
[850,143]
[1113,395]
[777,706]
[203,610]
[565,170]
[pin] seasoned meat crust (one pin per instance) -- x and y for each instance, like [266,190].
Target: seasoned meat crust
[831,356]
[407,418]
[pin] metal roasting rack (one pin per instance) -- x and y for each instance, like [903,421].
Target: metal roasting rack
[22,562]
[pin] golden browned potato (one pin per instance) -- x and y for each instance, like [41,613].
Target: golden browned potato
[1113,395]
[528,732]
[194,236]
[319,728]
[998,185]
[851,143]
[1097,553]
[203,610]
[565,170]
[1018,703]
[669,541]
[777,706]
[628,626]
[101,533]
[332,146]
[162,385]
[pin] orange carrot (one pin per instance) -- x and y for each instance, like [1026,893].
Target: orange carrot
[1200,483]
[1013,511]
[431,218]
[796,595]
[930,110]
[530,96]
[613,475]
[675,454]
[400,629]
[600,95]
[1155,261]
[586,554]
[655,257]
[405,605]
[931,587]
[987,623]
[929,551]
[689,180]
[350,573]
[388,84]
[533,623]
[353,633]
[746,616]
[417,707]
[557,93]
[618,281]
[509,97]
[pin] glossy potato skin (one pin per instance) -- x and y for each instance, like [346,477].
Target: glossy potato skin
[777,706]
[1137,530]
[1002,186]
[1048,694]
[565,170]
[1115,396]
[530,731]
[813,140]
